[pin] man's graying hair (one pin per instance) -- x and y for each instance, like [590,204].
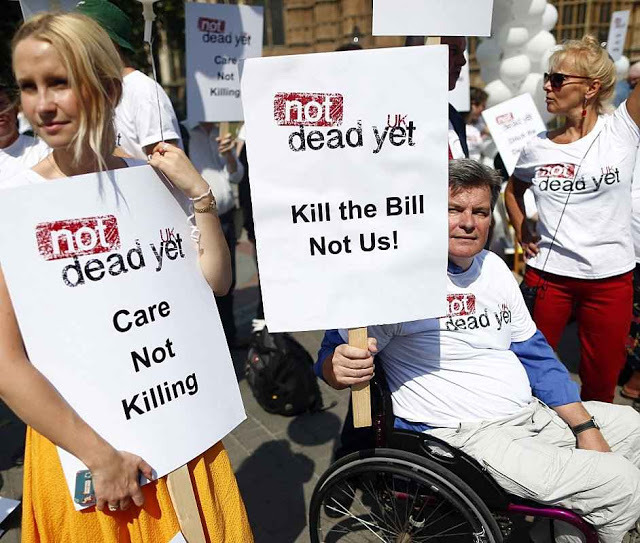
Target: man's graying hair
[465,174]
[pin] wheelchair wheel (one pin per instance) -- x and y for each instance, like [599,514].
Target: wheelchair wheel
[392,496]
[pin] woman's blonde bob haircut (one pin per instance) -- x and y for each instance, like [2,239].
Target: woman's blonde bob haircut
[94,70]
[589,59]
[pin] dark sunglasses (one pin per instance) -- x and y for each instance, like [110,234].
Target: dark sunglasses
[557,79]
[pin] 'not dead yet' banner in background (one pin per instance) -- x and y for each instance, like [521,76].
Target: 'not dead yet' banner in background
[217,37]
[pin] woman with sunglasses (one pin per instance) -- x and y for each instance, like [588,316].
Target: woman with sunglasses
[70,81]
[581,259]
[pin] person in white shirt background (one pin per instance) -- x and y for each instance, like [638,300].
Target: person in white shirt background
[145,115]
[214,156]
[476,129]
[17,151]
[581,260]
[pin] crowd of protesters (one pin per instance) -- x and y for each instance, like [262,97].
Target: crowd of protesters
[575,182]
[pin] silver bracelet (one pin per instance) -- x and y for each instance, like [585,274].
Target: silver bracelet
[198,198]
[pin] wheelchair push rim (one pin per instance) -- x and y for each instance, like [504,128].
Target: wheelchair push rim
[392,496]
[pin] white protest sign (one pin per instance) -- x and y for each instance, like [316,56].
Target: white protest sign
[432,17]
[618,34]
[460,97]
[31,7]
[512,124]
[217,37]
[349,185]
[114,311]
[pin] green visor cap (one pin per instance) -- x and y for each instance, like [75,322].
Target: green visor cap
[111,18]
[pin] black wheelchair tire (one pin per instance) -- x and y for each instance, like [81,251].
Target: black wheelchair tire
[422,471]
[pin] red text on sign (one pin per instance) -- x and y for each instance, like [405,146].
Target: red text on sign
[308,109]
[77,237]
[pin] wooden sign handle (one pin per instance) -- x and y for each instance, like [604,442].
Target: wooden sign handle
[223,128]
[434,40]
[361,393]
[185,505]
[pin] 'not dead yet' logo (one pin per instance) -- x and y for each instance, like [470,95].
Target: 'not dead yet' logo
[460,305]
[308,109]
[214,26]
[77,237]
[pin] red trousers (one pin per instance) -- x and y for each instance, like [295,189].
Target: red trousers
[603,309]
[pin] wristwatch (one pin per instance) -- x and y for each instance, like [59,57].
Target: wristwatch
[591,423]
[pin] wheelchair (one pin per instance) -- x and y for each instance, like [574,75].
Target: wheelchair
[413,488]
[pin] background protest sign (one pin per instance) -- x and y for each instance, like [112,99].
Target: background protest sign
[349,185]
[432,17]
[618,34]
[512,124]
[31,7]
[111,303]
[217,36]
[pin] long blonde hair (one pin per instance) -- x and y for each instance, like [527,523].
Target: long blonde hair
[94,69]
[590,60]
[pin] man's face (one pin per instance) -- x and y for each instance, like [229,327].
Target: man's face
[469,221]
[457,46]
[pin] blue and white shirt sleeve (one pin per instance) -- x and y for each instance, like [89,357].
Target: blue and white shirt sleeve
[330,341]
[549,379]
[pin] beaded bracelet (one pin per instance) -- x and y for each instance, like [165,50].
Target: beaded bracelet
[198,198]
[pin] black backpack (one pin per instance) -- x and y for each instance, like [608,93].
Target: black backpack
[280,374]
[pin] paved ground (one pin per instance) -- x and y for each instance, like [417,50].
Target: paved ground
[277,460]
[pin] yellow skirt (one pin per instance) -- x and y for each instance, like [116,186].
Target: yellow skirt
[48,515]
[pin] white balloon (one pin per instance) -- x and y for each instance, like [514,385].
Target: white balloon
[549,17]
[498,92]
[515,69]
[512,38]
[502,15]
[539,44]
[532,84]
[543,65]
[527,9]
[488,51]
[622,67]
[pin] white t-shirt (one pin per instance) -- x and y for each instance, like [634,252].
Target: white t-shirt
[21,155]
[203,152]
[459,368]
[635,201]
[136,119]
[454,143]
[475,142]
[593,240]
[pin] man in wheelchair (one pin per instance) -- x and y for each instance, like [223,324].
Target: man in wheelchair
[484,379]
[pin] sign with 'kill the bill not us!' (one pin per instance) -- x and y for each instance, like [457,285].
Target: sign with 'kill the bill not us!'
[349,185]
[218,37]
[114,311]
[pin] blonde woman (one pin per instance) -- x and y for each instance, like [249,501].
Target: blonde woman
[581,263]
[69,76]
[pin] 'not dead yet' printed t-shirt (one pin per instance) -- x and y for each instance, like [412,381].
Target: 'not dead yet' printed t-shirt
[459,368]
[592,177]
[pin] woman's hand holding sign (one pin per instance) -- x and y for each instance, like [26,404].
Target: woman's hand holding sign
[116,479]
[215,260]
[349,365]
[173,162]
